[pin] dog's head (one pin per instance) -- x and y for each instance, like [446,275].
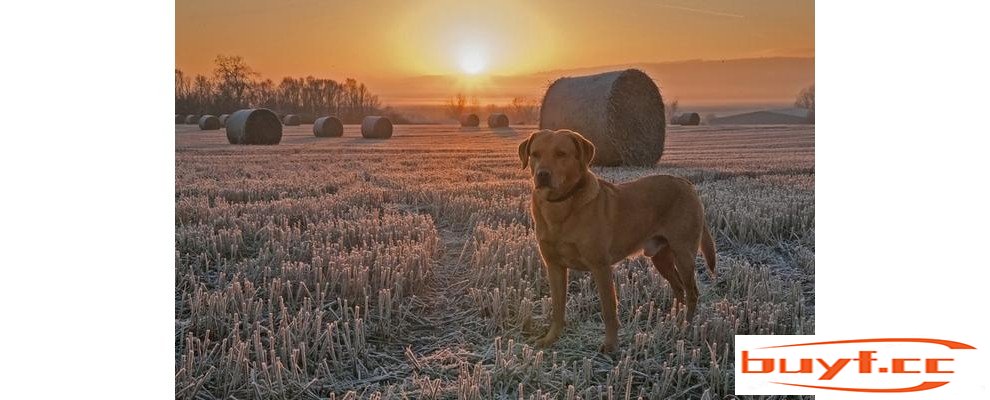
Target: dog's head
[557,159]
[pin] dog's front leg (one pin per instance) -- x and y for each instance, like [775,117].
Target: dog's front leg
[557,277]
[606,292]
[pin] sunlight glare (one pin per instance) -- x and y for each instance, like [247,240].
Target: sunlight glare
[473,61]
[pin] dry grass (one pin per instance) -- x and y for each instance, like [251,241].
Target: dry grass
[347,268]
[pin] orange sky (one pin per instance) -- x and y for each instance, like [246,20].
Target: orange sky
[380,41]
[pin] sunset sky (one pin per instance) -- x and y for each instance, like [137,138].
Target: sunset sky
[381,41]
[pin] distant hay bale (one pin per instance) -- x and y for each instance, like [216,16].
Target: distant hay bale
[209,123]
[621,112]
[223,119]
[328,127]
[374,127]
[498,120]
[192,119]
[687,119]
[471,121]
[291,120]
[254,126]
[180,119]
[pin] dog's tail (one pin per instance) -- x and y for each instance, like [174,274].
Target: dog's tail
[708,249]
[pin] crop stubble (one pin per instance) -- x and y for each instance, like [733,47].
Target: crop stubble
[348,268]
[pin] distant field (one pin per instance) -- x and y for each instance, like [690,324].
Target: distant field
[407,268]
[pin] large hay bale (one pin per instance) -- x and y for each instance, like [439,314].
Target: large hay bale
[291,120]
[498,120]
[471,121]
[209,123]
[328,127]
[179,118]
[374,127]
[687,119]
[254,126]
[223,119]
[621,112]
[192,119]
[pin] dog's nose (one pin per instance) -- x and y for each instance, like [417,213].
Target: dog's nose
[542,178]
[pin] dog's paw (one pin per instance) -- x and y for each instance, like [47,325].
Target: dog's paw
[544,342]
[608,348]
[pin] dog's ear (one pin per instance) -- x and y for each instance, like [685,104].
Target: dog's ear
[524,150]
[586,149]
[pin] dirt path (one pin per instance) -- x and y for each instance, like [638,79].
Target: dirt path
[443,333]
[448,282]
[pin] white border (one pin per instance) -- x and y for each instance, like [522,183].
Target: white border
[88,193]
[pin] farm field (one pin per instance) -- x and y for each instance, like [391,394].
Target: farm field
[407,268]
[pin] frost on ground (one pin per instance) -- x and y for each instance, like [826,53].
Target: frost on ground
[407,268]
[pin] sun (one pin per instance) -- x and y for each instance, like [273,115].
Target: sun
[472,60]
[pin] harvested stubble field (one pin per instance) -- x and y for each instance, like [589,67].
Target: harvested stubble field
[407,268]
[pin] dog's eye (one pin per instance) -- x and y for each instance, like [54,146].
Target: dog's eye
[559,154]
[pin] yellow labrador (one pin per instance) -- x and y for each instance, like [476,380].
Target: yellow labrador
[588,224]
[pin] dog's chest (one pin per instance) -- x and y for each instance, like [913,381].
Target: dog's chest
[568,241]
[567,254]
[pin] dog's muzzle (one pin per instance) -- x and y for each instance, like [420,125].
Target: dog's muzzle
[542,179]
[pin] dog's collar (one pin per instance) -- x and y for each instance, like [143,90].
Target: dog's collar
[570,193]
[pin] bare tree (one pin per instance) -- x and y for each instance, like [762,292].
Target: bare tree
[806,100]
[203,95]
[524,110]
[232,77]
[183,93]
[263,94]
[671,110]
[456,106]
[289,98]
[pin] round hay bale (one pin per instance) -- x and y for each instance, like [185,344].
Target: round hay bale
[209,123]
[223,119]
[180,119]
[621,112]
[374,127]
[498,120]
[291,120]
[328,127]
[254,126]
[471,121]
[192,119]
[688,119]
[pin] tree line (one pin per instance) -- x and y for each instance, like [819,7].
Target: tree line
[234,85]
[521,110]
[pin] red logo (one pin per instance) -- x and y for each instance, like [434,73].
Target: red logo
[818,365]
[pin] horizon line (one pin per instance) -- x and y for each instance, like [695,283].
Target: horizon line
[547,71]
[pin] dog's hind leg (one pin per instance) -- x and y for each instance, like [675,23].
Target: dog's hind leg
[684,259]
[663,261]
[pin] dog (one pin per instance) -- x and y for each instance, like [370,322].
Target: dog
[587,224]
